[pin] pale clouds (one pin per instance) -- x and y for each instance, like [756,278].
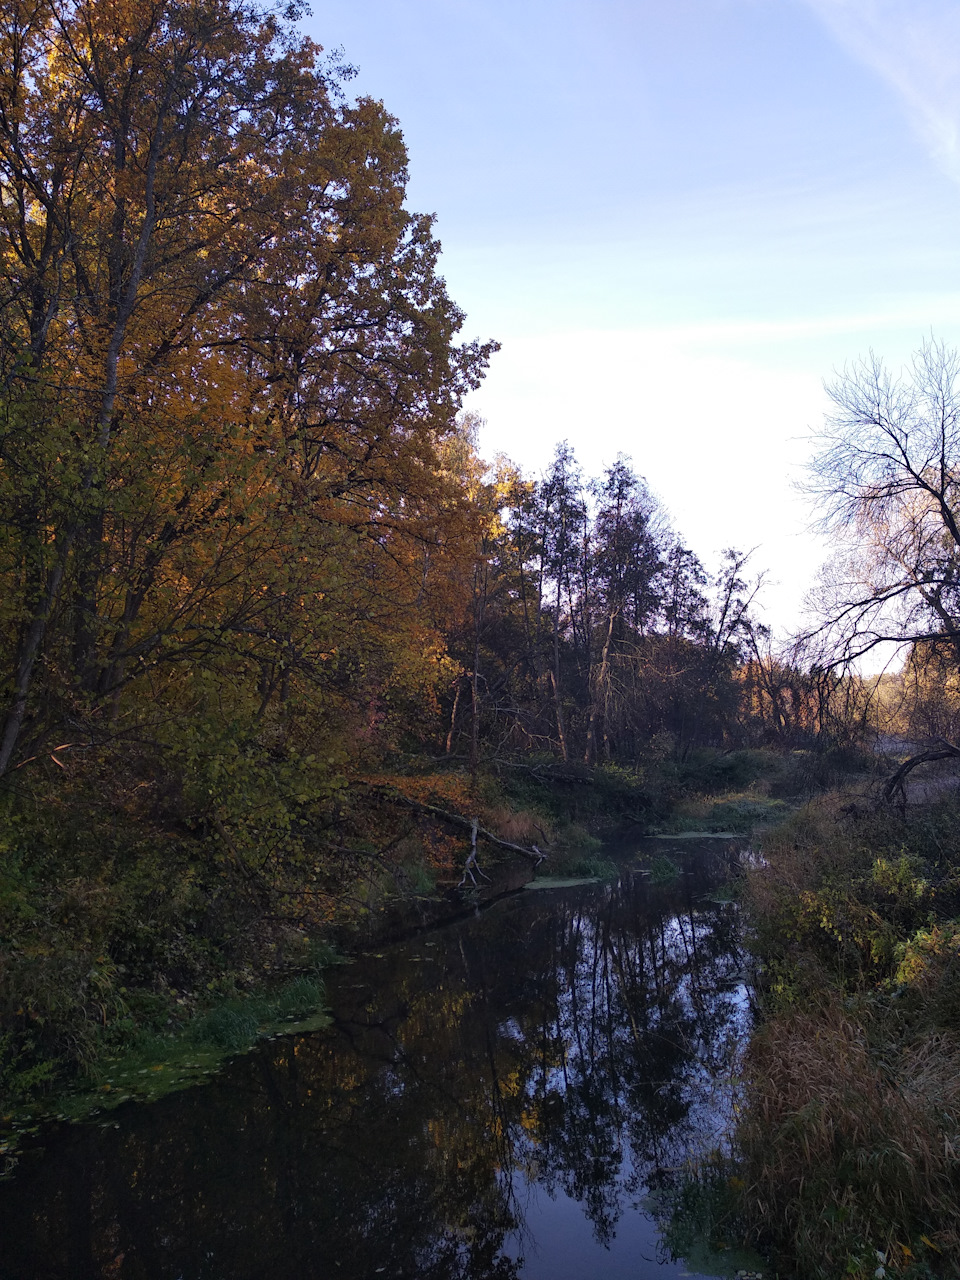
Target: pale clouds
[915,46]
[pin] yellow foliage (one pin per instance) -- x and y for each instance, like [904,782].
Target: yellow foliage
[229,435]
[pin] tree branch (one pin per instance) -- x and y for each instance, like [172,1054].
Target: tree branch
[444,815]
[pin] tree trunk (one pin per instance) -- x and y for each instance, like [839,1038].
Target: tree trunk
[600,687]
[559,709]
[453,718]
[33,640]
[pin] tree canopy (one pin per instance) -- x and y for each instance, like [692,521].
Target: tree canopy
[228,362]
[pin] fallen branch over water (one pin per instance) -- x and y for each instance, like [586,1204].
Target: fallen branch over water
[454,819]
[471,863]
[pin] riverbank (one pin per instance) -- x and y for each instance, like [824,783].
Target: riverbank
[124,917]
[849,1133]
[843,1154]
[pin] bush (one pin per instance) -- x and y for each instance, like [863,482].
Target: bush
[299,997]
[229,1028]
[707,770]
[663,870]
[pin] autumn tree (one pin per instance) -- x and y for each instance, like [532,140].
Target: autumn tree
[227,362]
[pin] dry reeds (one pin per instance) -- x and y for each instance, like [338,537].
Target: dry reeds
[851,1153]
[516,826]
[850,1124]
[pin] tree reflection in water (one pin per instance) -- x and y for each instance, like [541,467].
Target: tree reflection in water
[569,1043]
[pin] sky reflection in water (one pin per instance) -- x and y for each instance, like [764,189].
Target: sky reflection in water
[495,1100]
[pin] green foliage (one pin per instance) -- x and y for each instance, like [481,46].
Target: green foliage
[235,1024]
[706,770]
[20,1073]
[699,1214]
[578,861]
[574,839]
[663,870]
[850,890]
[744,813]
[134,890]
[421,879]
[231,1029]
[148,1064]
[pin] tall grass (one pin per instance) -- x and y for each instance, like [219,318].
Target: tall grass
[850,1124]
[851,1150]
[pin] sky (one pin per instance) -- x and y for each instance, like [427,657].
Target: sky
[680,218]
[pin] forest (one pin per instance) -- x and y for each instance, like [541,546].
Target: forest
[270,624]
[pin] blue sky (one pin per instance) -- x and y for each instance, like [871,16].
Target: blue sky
[678,217]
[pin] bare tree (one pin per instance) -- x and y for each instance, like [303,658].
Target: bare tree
[888,480]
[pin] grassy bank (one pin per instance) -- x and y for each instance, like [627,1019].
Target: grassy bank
[850,1130]
[150,1064]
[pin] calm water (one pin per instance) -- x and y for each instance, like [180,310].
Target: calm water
[495,1099]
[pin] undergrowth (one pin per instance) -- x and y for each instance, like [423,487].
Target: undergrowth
[154,1063]
[850,1127]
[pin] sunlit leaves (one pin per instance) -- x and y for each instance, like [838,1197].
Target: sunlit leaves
[243,361]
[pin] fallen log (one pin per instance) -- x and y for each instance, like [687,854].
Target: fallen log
[444,815]
[579,774]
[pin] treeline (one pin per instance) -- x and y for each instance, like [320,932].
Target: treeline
[593,632]
[236,501]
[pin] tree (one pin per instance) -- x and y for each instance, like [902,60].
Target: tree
[887,478]
[562,513]
[227,360]
[626,566]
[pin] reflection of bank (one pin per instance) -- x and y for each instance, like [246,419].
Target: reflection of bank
[492,1099]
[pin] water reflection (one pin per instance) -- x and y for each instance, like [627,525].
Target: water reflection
[494,1101]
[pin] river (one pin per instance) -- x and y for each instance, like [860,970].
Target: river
[510,1097]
